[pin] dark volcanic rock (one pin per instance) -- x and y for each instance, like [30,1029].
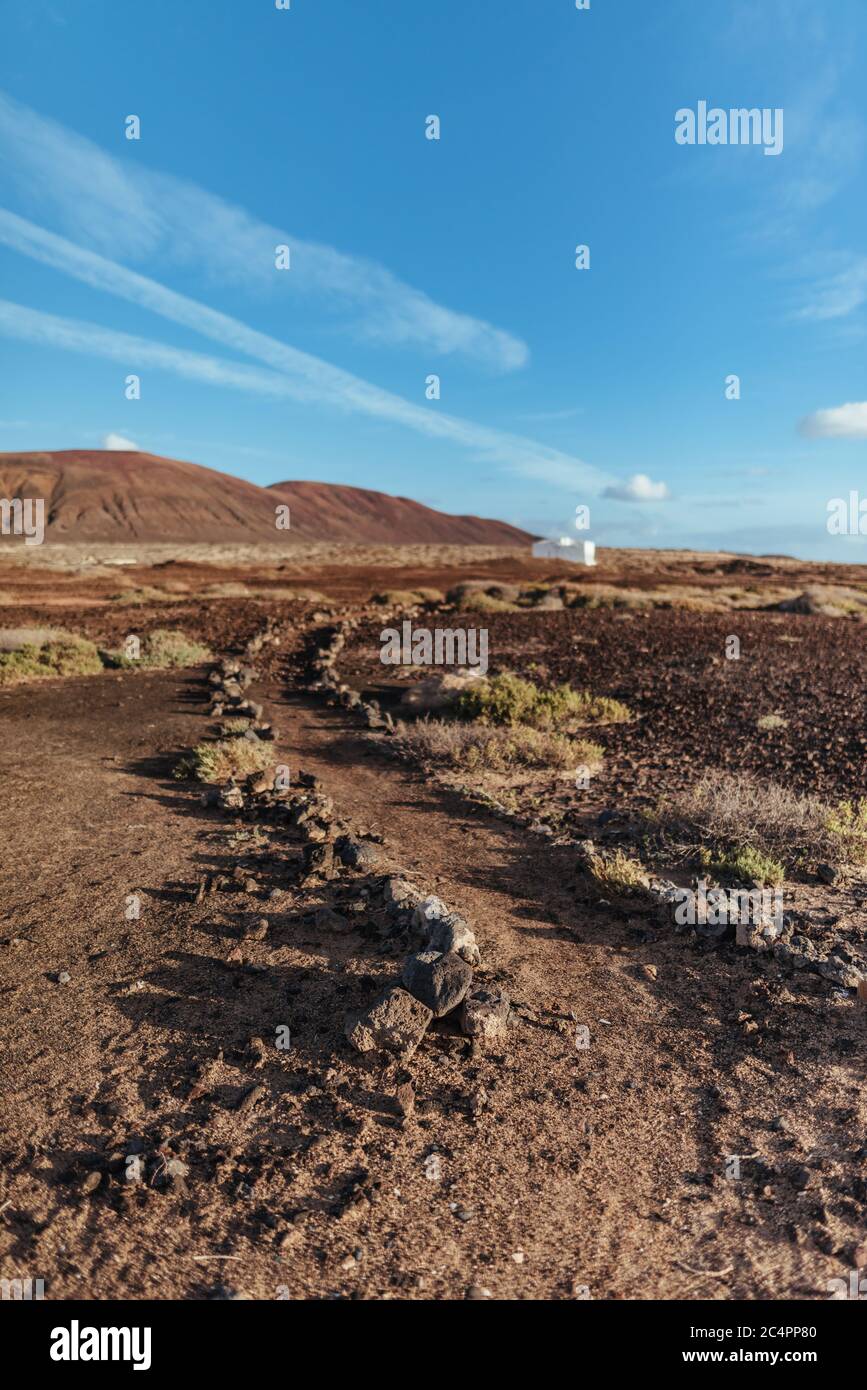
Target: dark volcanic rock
[356,854]
[439,981]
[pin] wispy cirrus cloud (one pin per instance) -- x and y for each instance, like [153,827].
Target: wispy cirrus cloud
[552,417]
[836,293]
[840,422]
[295,376]
[155,217]
[103,203]
[807,56]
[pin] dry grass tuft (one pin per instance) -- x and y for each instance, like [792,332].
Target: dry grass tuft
[740,822]
[408,598]
[475,746]
[160,650]
[477,601]
[236,727]
[619,874]
[222,759]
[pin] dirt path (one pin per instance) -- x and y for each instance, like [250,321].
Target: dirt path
[563,1169]
[605,1166]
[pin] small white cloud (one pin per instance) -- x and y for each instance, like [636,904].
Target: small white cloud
[120,442]
[640,488]
[843,422]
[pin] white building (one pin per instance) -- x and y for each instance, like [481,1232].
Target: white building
[576,552]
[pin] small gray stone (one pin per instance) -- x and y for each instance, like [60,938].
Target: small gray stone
[841,968]
[395,1023]
[231,798]
[452,933]
[485,1013]
[326,919]
[429,910]
[798,953]
[400,895]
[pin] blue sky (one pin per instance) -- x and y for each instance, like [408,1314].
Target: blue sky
[455,257]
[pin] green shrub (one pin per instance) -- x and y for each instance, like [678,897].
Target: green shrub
[509,700]
[222,759]
[745,864]
[68,655]
[847,823]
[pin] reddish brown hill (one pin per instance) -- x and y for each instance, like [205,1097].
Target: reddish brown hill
[102,495]
[331,511]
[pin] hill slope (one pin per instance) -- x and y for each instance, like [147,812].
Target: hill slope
[102,495]
[332,511]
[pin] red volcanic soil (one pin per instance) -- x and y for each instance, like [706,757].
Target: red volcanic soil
[101,495]
[330,511]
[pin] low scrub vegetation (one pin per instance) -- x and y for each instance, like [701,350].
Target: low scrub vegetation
[478,601]
[136,596]
[12,639]
[235,727]
[746,864]
[846,823]
[496,748]
[161,649]
[28,654]
[222,759]
[408,598]
[772,721]
[619,874]
[754,830]
[511,701]
[829,600]
[63,654]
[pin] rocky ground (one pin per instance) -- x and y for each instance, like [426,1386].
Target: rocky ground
[205,1096]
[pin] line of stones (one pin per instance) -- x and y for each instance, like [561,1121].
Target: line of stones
[437,979]
[764,931]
